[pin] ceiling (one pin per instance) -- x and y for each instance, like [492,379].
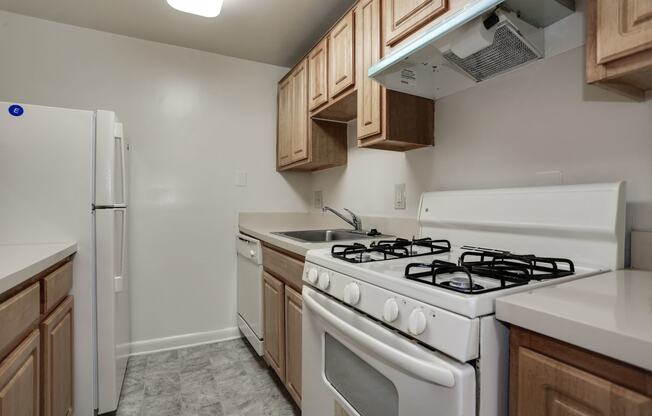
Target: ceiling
[277,32]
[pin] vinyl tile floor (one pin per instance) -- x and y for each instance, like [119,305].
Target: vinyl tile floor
[222,379]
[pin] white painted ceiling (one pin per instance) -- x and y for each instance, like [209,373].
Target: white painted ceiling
[273,31]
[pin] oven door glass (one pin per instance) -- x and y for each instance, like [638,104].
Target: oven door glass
[368,391]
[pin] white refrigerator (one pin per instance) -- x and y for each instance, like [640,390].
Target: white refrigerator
[64,177]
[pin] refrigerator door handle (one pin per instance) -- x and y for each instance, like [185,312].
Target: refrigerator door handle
[123,163]
[118,281]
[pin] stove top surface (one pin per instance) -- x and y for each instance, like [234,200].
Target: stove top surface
[464,279]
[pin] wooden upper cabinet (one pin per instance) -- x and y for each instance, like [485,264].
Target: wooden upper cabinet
[318,75]
[548,387]
[284,135]
[299,115]
[341,56]
[368,47]
[404,17]
[619,46]
[624,28]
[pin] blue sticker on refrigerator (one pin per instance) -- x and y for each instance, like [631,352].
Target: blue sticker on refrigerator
[16,110]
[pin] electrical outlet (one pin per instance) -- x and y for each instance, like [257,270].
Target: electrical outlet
[240,178]
[550,178]
[318,200]
[399,196]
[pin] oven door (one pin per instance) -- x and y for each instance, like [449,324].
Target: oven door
[354,366]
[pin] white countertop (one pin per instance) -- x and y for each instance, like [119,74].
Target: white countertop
[263,225]
[610,314]
[20,262]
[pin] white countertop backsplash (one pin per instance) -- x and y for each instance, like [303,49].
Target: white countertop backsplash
[20,262]
[610,314]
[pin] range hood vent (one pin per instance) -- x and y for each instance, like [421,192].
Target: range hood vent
[482,40]
[509,50]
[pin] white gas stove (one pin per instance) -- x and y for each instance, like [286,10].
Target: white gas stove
[380,305]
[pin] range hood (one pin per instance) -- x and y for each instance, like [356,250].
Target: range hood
[483,39]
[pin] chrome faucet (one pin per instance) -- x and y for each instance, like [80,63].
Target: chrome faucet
[355,221]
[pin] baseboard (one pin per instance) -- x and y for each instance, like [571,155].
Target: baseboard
[183,341]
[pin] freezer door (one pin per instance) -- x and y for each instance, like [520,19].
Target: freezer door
[111,161]
[113,329]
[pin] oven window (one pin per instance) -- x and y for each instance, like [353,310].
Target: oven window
[365,388]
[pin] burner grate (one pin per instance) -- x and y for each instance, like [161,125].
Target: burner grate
[507,268]
[389,249]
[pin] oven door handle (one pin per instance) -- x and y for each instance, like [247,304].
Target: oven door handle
[421,369]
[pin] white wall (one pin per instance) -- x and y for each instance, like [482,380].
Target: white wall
[193,118]
[503,131]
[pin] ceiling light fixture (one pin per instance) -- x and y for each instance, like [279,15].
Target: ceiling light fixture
[206,8]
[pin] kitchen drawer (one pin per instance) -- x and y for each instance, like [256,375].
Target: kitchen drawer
[18,315]
[56,287]
[284,267]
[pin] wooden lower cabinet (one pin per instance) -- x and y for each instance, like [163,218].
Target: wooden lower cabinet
[36,376]
[283,316]
[552,378]
[293,316]
[274,321]
[57,370]
[19,379]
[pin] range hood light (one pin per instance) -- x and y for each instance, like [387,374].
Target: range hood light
[205,8]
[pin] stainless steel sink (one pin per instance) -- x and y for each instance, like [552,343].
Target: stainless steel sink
[322,236]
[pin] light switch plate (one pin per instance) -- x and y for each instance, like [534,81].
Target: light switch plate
[399,196]
[550,178]
[318,200]
[240,178]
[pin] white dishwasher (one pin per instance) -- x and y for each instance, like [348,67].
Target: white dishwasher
[250,290]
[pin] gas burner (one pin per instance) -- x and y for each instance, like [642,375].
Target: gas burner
[489,263]
[389,249]
[461,283]
[446,275]
[506,269]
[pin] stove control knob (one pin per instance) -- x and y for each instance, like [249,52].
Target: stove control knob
[417,323]
[352,294]
[313,275]
[324,281]
[252,253]
[390,310]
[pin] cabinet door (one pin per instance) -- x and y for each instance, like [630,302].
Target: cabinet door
[548,387]
[318,75]
[57,349]
[284,135]
[624,28]
[293,306]
[404,17]
[341,70]
[368,44]
[19,379]
[299,115]
[274,334]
